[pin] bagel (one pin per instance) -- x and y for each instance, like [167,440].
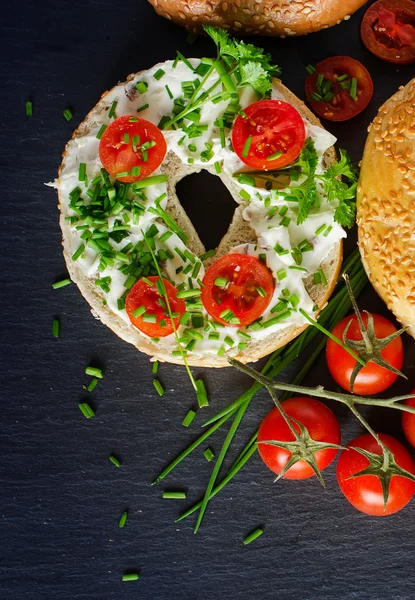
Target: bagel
[386,205]
[241,236]
[258,17]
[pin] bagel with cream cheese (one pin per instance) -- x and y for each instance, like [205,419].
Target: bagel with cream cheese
[106,252]
[386,205]
[258,17]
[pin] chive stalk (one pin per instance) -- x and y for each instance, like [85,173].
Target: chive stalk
[55,328]
[253,536]
[174,495]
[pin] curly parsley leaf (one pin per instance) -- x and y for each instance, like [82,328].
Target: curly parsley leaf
[341,191]
[306,192]
[250,64]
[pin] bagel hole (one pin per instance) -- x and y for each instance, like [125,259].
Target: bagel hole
[208,204]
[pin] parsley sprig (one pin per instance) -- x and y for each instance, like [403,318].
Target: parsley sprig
[341,191]
[250,64]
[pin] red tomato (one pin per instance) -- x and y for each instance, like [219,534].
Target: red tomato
[231,284]
[120,148]
[143,294]
[365,492]
[408,421]
[372,379]
[273,127]
[388,30]
[322,426]
[339,103]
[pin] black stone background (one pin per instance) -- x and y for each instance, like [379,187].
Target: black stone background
[60,496]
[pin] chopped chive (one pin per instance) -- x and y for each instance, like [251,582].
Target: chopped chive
[78,253]
[189,418]
[130,577]
[175,495]
[67,113]
[201,393]
[297,268]
[115,461]
[168,90]
[139,311]
[112,110]
[152,180]
[281,317]
[310,69]
[320,229]
[55,328]
[294,300]
[285,221]
[185,61]
[86,410]
[141,86]
[275,155]
[342,77]
[319,82]
[133,119]
[189,293]
[94,372]
[158,387]
[135,171]
[62,283]
[165,236]
[208,454]
[221,282]
[217,167]
[155,367]
[245,195]
[92,384]
[184,319]
[122,174]
[253,536]
[281,274]
[247,146]
[280,250]
[328,230]
[29,109]
[214,335]
[229,341]
[149,318]
[126,137]
[159,74]
[245,179]
[207,255]
[353,89]
[123,519]
[142,107]
[261,291]
[316,97]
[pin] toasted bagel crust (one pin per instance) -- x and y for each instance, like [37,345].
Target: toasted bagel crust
[258,17]
[239,232]
[386,205]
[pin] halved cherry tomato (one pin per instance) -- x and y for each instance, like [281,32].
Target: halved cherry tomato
[365,492]
[339,100]
[121,148]
[408,421]
[388,30]
[372,379]
[270,135]
[321,424]
[237,289]
[143,294]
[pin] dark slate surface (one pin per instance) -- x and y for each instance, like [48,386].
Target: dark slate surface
[60,496]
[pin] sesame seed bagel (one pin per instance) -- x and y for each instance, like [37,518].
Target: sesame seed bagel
[258,17]
[386,205]
[239,232]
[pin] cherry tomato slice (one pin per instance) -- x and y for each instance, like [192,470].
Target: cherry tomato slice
[408,421]
[321,424]
[388,30]
[121,148]
[270,128]
[372,379]
[342,100]
[365,492]
[232,284]
[143,294]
